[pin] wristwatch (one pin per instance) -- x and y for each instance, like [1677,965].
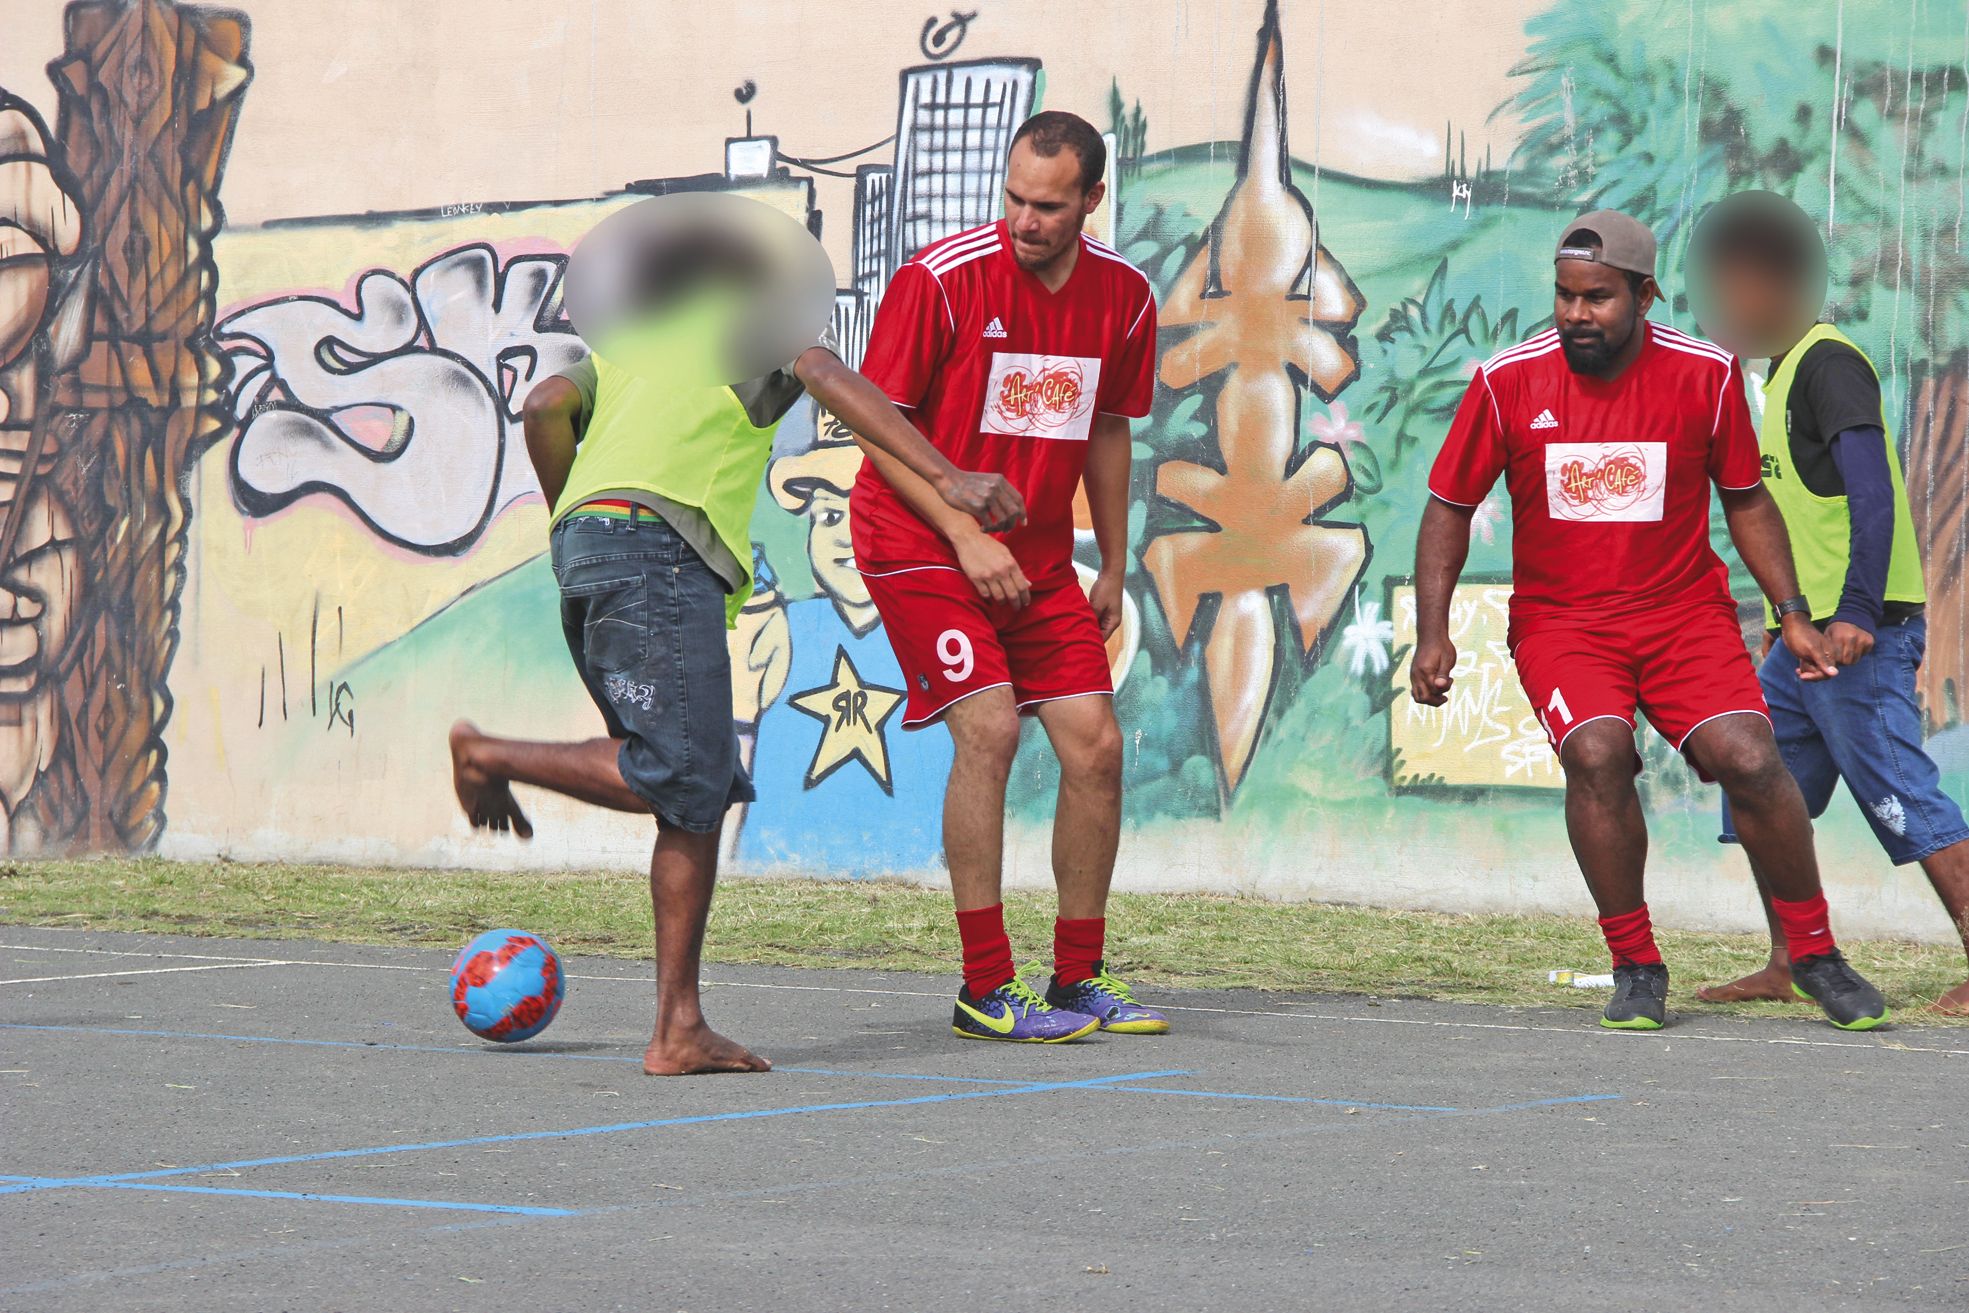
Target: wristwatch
[1792,606]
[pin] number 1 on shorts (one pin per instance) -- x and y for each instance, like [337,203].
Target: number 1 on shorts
[954,649]
[1557,706]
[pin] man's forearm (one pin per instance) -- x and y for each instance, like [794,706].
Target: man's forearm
[1106,478]
[916,494]
[871,416]
[1757,528]
[1441,548]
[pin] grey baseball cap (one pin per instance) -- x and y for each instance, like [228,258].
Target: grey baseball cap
[1624,242]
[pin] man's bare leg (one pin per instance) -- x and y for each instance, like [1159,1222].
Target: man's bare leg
[1770,982]
[1740,754]
[1947,871]
[1087,818]
[683,871]
[483,768]
[1775,828]
[1603,814]
[985,729]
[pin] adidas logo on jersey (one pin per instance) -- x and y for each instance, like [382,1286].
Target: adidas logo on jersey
[1545,421]
[994,328]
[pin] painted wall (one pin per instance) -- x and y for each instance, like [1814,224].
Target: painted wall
[274,285]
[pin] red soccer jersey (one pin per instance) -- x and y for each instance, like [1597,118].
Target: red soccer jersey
[1004,377]
[1609,481]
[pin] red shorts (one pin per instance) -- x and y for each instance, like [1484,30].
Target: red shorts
[952,643]
[1682,668]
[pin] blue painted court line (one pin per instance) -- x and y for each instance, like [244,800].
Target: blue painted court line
[378,1200]
[1284,1098]
[1541,1103]
[471,1050]
[699,1119]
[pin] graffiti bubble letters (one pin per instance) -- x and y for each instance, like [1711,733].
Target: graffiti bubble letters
[407,410]
[1597,481]
[1041,396]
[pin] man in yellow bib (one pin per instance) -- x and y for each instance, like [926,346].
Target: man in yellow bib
[1830,463]
[652,486]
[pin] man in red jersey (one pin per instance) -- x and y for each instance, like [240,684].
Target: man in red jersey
[1608,430]
[1027,346]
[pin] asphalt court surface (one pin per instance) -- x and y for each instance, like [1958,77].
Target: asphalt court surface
[252,1125]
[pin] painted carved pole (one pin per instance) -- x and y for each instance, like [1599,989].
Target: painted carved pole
[149,94]
[1272,312]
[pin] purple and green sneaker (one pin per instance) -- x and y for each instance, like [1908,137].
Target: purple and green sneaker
[1015,1012]
[1110,1002]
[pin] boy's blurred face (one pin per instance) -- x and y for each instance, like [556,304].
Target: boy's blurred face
[1752,309]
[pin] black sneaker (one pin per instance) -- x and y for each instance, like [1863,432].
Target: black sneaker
[1640,998]
[1849,1000]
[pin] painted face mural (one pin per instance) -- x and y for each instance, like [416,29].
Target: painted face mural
[42,300]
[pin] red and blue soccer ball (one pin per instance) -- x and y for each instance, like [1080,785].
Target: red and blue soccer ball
[507,985]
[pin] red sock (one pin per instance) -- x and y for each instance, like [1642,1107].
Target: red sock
[987,952]
[1807,932]
[1077,948]
[1631,937]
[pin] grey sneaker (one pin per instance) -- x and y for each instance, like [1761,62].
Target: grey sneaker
[1640,998]
[1849,999]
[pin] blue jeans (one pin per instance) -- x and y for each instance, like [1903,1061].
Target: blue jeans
[1864,726]
[645,619]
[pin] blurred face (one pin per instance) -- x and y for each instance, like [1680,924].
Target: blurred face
[1753,310]
[1597,314]
[1044,205]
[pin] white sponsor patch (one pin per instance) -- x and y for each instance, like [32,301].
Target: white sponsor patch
[1030,396]
[1606,481]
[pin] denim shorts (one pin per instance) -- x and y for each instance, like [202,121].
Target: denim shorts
[1863,726]
[645,619]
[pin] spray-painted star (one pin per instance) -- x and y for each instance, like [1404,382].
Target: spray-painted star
[852,714]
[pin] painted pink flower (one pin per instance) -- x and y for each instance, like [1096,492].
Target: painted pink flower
[1483,521]
[1337,427]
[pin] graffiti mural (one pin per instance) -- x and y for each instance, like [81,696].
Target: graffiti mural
[389,407]
[1273,311]
[267,508]
[112,392]
[43,330]
[851,790]
[1489,738]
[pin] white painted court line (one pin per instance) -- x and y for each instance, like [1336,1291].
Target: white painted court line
[260,961]
[143,971]
[123,952]
[1587,1032]
[1883,1042]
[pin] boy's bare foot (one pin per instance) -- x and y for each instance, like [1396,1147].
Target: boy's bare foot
[1770,983]
[700,1049]
[486,799]
[1955,1003]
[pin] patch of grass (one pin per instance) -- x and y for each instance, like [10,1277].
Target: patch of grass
[1194,940]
